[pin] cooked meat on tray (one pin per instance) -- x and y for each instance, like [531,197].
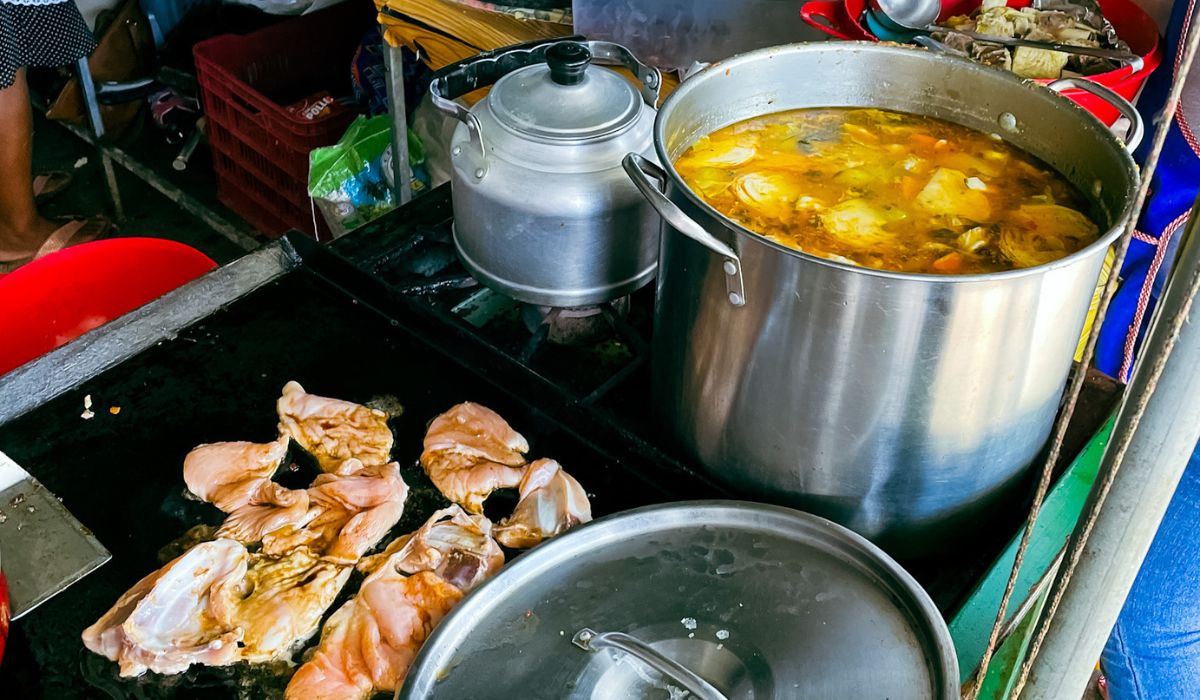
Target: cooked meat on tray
[272,508]
[217,605]
[334,431]
[470,451]
[370,642]
[220,603]
[230,474]
[347,514]
[166,622]
[552,502]
[452,544]
[279,602]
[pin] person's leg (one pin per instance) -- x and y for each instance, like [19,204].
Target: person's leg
[22,229]
[1154,650]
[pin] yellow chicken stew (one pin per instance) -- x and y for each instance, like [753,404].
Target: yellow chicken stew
[890,191]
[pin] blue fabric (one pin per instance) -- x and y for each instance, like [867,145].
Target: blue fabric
[1175,185]
[1154,650]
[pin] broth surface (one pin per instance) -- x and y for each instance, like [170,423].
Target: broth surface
[889,190]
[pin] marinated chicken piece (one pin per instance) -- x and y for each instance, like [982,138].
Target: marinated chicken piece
[229,474]
[552,502]
[334,431]
[470,451]
[279,602]
[347,515]
[370,642]
[166,622]
[457,547]
[271,508]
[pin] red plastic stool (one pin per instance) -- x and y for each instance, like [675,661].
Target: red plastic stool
[53,300]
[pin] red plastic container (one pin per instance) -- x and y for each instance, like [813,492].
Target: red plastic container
[55,299]
[843,19]
[260,150]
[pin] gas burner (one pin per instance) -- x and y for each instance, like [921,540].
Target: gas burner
[582,325]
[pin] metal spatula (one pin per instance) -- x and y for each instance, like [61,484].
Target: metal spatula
[45,548]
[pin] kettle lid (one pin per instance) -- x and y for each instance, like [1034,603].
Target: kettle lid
[565,97]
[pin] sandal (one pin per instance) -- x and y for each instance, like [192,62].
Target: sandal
[49,185]
[71,233]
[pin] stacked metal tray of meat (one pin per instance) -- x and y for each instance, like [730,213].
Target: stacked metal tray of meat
[207,364]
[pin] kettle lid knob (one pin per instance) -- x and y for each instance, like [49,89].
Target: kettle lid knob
[568,60]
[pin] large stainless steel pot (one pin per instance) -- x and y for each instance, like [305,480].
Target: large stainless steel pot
[542,211]
[707,600]
[896,404]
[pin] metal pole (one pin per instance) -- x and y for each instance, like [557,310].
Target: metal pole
[92,104]
[1165,390]
[402,186]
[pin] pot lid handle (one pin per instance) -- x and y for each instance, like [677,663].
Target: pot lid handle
[589,640]
[568,62]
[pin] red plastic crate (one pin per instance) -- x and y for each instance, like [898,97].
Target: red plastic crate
[260,151]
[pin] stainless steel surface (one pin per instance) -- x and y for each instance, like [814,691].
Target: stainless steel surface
[590,640]
[910,14]
[1123,57]
[760,601]
[401,181]
[1161,443]
[1137,127]
[899,405]
[45,548]
[542,209]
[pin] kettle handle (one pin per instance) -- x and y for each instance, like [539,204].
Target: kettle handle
[481,70]
[1137,127]
[589,640]
[484,69]
[636,166]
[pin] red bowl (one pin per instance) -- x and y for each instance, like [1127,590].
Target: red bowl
[58,298]
[843,19]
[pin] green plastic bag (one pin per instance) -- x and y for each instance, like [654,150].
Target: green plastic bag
[351,181]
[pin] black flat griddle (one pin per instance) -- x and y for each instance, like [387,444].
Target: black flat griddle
[206,363]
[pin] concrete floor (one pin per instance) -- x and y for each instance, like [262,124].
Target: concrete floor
[147,212]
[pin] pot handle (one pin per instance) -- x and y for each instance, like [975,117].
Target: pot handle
[589,640]
[636,166]
[827,16]
[1137,127]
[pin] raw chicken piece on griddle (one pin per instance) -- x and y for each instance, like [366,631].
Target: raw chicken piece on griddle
[334,431]
[271,508]
[165,623]
[229,474]
[552,502]
[470,451]
[455,546]
[347,515]
[369,644]
[279,602]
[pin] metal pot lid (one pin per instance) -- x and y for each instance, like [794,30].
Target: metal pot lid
[757,601]
[565,98]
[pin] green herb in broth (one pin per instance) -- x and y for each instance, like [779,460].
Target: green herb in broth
[890,191]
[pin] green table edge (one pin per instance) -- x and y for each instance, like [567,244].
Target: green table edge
[972,625]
